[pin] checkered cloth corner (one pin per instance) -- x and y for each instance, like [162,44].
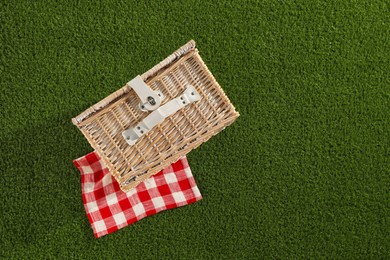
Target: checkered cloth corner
[109,209]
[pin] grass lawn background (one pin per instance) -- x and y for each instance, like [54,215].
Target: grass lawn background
[304,172]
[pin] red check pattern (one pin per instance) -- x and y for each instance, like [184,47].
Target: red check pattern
[109,208]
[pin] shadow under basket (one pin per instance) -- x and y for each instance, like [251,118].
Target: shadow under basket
[105,123]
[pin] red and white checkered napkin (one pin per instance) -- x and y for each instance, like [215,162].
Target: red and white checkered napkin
[109,208]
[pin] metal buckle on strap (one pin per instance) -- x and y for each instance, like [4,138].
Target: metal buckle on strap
[150,100]
[189,96]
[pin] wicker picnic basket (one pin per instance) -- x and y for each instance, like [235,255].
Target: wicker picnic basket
[157,117]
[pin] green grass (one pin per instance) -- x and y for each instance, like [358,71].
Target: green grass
[303,173]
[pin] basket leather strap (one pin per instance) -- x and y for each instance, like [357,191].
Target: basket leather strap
[132,135]
[150,100]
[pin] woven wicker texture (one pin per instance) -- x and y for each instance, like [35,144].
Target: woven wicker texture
[103,123]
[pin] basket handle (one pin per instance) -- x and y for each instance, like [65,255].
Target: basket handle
[132,135]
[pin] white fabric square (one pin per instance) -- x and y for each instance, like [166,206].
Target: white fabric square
[112,199]
[107,179]
[170,177]
[131,193]
[92,206]
[158,202]
[188,172]
[100,226]
[86,169]
[150,183]
[139,209]
[179,197]
[196,191]
[89,186]
[120,218]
